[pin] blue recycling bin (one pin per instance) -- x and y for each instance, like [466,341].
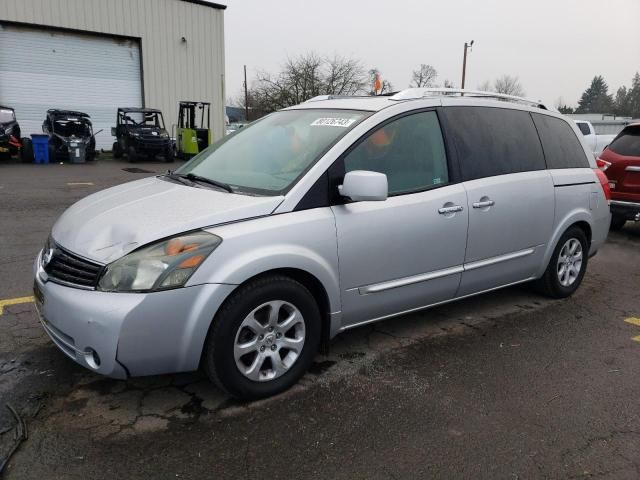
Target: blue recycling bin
[40,144]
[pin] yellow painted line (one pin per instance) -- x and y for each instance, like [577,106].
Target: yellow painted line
[71,184]
[633,321]
[14,301]
[636,339]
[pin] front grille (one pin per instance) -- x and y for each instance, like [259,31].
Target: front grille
[152,143]
[69,269]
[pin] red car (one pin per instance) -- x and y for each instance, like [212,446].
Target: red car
[621,163]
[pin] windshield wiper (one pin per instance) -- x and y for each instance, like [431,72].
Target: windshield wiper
[197,178]
[177,178]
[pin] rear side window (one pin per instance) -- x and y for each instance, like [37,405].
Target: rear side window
[562,149]
[584,128]
[494,141]
[627,143]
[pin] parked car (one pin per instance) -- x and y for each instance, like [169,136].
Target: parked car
[71,136]
[313,220]
[141,133]
[596,142]
[621,163]
[9,132]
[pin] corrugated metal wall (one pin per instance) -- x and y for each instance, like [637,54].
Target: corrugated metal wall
[34,83]
[173,69]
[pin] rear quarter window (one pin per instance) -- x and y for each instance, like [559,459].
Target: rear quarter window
[494,141]
[627,143]
[562,149]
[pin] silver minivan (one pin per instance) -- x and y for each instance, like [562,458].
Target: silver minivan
[316,219]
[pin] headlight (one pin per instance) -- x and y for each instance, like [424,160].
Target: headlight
[159,266]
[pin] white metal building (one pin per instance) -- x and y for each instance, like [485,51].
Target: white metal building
[603,123]
[96,55]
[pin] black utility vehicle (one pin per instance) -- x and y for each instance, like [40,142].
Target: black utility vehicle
[71,136]
[140,133]
[9,132]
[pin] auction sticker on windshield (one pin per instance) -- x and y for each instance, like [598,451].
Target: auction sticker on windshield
[333,122]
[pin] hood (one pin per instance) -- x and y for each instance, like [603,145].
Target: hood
[109,224]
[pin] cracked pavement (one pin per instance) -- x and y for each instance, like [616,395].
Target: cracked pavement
[503,385]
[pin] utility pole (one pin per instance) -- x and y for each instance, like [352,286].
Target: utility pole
[464,62]
[246,95]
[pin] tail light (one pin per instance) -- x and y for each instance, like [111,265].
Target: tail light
[14,141]
[602,164]
[604,183]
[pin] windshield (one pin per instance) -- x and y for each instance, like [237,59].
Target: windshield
[627,143]
[268,156]
[6,115]
[144,119]
[72,127]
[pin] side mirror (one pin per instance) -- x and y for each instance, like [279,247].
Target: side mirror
[113,131]
[364,186]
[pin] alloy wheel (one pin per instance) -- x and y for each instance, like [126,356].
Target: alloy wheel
[269,341]
[570,262]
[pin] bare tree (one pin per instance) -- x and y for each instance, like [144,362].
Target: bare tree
[508,85]
[304,77]
[345,76]
[423,76]
[448,84]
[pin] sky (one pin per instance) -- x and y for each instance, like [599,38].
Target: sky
[555,47]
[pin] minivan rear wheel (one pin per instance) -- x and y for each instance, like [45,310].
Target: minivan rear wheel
[567,265]
[263,339]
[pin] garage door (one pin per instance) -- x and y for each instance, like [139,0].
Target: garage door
[42,69]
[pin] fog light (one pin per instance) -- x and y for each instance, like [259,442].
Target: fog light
[92,358]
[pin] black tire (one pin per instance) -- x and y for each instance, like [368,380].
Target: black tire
[26,153]
[168,155]
[617,222]
[131,154]
[116,150]
[218,356]
[550,284]
[52,154]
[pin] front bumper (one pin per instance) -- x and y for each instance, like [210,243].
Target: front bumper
[628,210]
[129,334]
[152,146]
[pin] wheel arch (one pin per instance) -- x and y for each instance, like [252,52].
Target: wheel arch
[315,287]
[578,218]
[309,281]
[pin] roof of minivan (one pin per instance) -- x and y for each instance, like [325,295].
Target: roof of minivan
[377,103]
[369,103]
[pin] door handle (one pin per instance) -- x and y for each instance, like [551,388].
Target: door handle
[452,209]
[483,204]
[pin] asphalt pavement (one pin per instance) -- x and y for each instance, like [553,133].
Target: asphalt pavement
[507,385]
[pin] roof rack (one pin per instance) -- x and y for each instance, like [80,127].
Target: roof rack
[319,98]
[416,93]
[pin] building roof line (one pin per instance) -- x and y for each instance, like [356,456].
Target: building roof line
[207,4]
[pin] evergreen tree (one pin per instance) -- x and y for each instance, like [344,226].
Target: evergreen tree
[596,98]
[621,102]
[633,97]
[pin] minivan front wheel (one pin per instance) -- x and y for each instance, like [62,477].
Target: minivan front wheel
[567,266]
[263,339]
